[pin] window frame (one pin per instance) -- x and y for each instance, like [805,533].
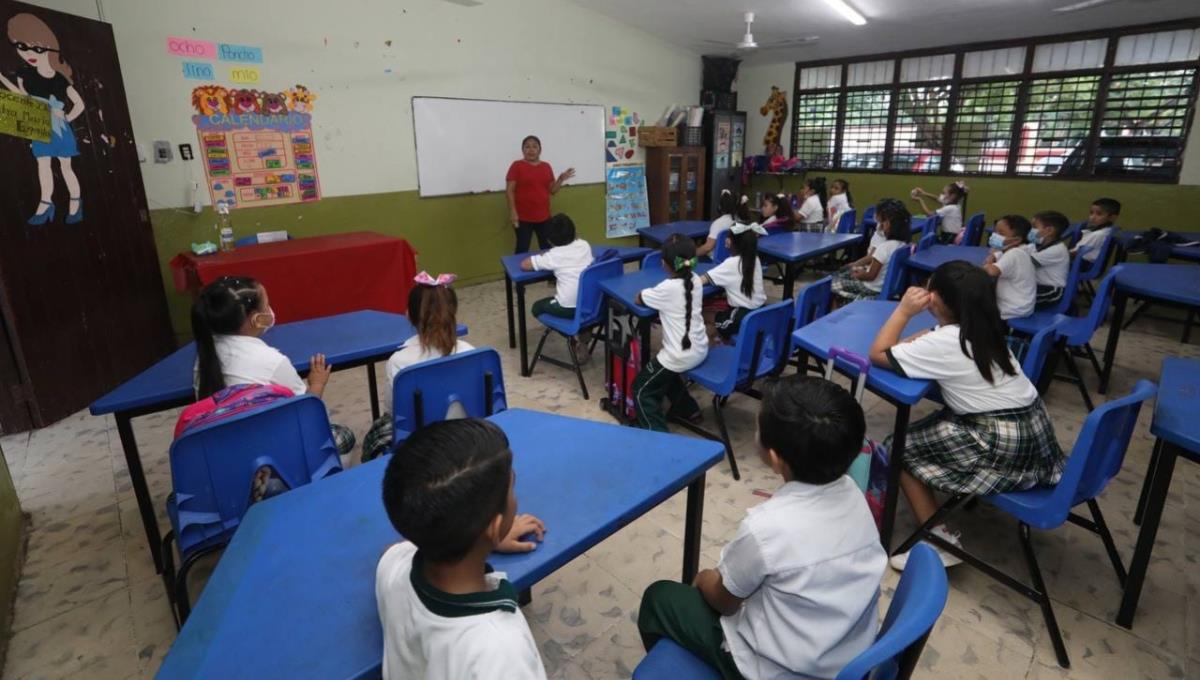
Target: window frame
[1024,79]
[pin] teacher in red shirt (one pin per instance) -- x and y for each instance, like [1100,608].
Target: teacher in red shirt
[530,183]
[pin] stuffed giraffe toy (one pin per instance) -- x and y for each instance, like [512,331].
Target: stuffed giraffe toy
[776,105]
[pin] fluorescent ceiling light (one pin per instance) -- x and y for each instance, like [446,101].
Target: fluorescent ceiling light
[847,12]
[1081,5]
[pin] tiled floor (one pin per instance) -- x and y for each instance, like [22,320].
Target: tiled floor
[89,604]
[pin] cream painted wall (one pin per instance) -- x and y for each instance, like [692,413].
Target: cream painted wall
[535,50]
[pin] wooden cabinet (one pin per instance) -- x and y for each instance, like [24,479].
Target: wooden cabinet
[675,183]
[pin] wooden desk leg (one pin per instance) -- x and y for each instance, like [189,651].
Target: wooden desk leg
[1145,542]
[508,306]
[373,387]
[895,464]
[1114,332]
[691,529]
[137,479]
[521,330]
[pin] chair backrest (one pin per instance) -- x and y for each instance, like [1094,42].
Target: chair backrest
[869,216]
[1098,454]
[1068,296]
[1099,308]
[1073,233]
[213,466]
[423,393]
[927,241]
[1093,269]
[897,274]
[918,603]
[973,229]
[720,252]
[847,222]
[652,259]
[762,344]
[1039,348]
[928,225]
[813,302]
[589,303]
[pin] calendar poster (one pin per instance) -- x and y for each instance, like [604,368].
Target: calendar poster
[628,207]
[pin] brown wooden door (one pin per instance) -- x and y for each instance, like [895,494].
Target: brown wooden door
[83,298]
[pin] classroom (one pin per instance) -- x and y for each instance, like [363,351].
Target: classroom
[597,339]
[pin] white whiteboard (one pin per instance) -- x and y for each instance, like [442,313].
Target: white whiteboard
[465,146]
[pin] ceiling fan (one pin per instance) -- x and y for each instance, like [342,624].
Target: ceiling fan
[748,42]
[1091,4]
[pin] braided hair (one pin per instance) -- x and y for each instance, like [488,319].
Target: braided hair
[683,249]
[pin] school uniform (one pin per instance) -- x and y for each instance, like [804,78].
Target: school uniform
[1093,239]
[661,376]
[1051,266]
[728,275]
[719,225]
[428,633]
[1016,287]
[952,220]
[811,216]
[837,204]
[847,287]
[807,562]
[991,437]
[567,263]
[776,224]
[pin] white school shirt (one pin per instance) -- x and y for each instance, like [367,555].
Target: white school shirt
[1093,239]
[1016,288]
[719,225]
[877,238]
[811,212]
[951,218]
[567,262]
[836,205]
[481,636]
[669,300]
[883,255]
[1051,265]
[808,563]
[247,360]
[938,356]
[411,353]
[728,275]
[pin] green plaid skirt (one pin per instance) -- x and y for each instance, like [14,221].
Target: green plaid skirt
[849,288]
[985,453]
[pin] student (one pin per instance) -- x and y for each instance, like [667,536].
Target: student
[741,277]
[684,340]
[777,213]
[796,591]
[1101,216]
[567,258]
[953,200]
[839,202]
[732,210]
[1051,259]
[433,311]
[1012,267]
[448,490]
[864,277]
[812,211]
[994,434]
[229,318]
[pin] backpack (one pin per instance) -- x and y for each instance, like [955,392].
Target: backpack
[625,351]
[869,469]
[228,402]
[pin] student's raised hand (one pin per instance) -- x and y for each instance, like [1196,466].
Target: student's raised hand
[522,525]
[318,373]
[915,301]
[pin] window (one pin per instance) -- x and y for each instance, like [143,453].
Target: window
[1116,104]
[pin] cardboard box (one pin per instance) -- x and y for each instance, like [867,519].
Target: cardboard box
[649,135]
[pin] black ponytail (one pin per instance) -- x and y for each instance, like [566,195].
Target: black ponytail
[728,203]
[969,293]
[220,309]
[783,209]
[817,186]
[745,245]
[677,246]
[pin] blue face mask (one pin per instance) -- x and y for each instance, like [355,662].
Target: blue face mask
[1035,237]
[996,241]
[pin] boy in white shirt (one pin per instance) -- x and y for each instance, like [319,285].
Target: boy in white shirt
[1101,216]
[796,591]
[448,490]
[1051,259]
[1013,269]
[567,258]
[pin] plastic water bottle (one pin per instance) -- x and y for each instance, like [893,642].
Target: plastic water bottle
[224,226]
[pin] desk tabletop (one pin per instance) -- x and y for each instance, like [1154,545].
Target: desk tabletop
[689,228]
[512,263]
[854,327]
[794,246]
[294,593]
[935,256]
[1178,403]
[624,289]
[1178,283]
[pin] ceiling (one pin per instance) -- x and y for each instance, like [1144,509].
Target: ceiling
[892,25]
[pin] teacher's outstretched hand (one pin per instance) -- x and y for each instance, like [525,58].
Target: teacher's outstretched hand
[529,185]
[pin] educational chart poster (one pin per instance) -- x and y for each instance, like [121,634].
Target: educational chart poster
[620,136]
[256,146]
[628,207]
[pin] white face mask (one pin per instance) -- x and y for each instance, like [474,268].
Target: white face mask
[944,199]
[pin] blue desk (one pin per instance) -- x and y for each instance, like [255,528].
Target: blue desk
[935,256]
[294,594]
[658,233]
[793,248]
[1172,284]
[1177,430]
[515,277]
[347,341]
[854,327]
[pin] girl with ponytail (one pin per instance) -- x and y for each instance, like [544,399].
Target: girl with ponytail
[741,277]
[777,213]
[433,311]
[684,340]
[812,211]
[733,210]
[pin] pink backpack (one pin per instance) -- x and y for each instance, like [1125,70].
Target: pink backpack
[228,402]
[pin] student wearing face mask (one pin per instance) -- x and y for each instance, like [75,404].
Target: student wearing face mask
[952,204]
[229,319]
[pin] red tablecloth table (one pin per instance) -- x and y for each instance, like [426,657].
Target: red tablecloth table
[311,277]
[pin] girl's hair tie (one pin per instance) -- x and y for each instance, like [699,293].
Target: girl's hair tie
[755,227]
[425,279]
[745,199]
[680,263]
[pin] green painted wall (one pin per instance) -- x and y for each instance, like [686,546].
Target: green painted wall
[462,234]
[11,524]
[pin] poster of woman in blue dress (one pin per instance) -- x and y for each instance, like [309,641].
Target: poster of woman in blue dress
[45,75]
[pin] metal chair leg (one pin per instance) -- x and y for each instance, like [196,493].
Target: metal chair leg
[1145,495]
[718,402]
[1106,536]
[575,365]
[1078,377]
[935,519]
[1043,599]
[1091,355]
[537,353]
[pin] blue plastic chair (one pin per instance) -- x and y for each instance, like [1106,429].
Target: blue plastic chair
[916,606]
[927,241]
[868,219]
[720,252]
[1073,233]
[651,259]
[423,393]
[1033,361]
[212,473]
[897,275]
[973,229]
[589,313]
[1094,269]
[847,222]
[927,225]
[1095,459]
[812,303]
[761,348]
